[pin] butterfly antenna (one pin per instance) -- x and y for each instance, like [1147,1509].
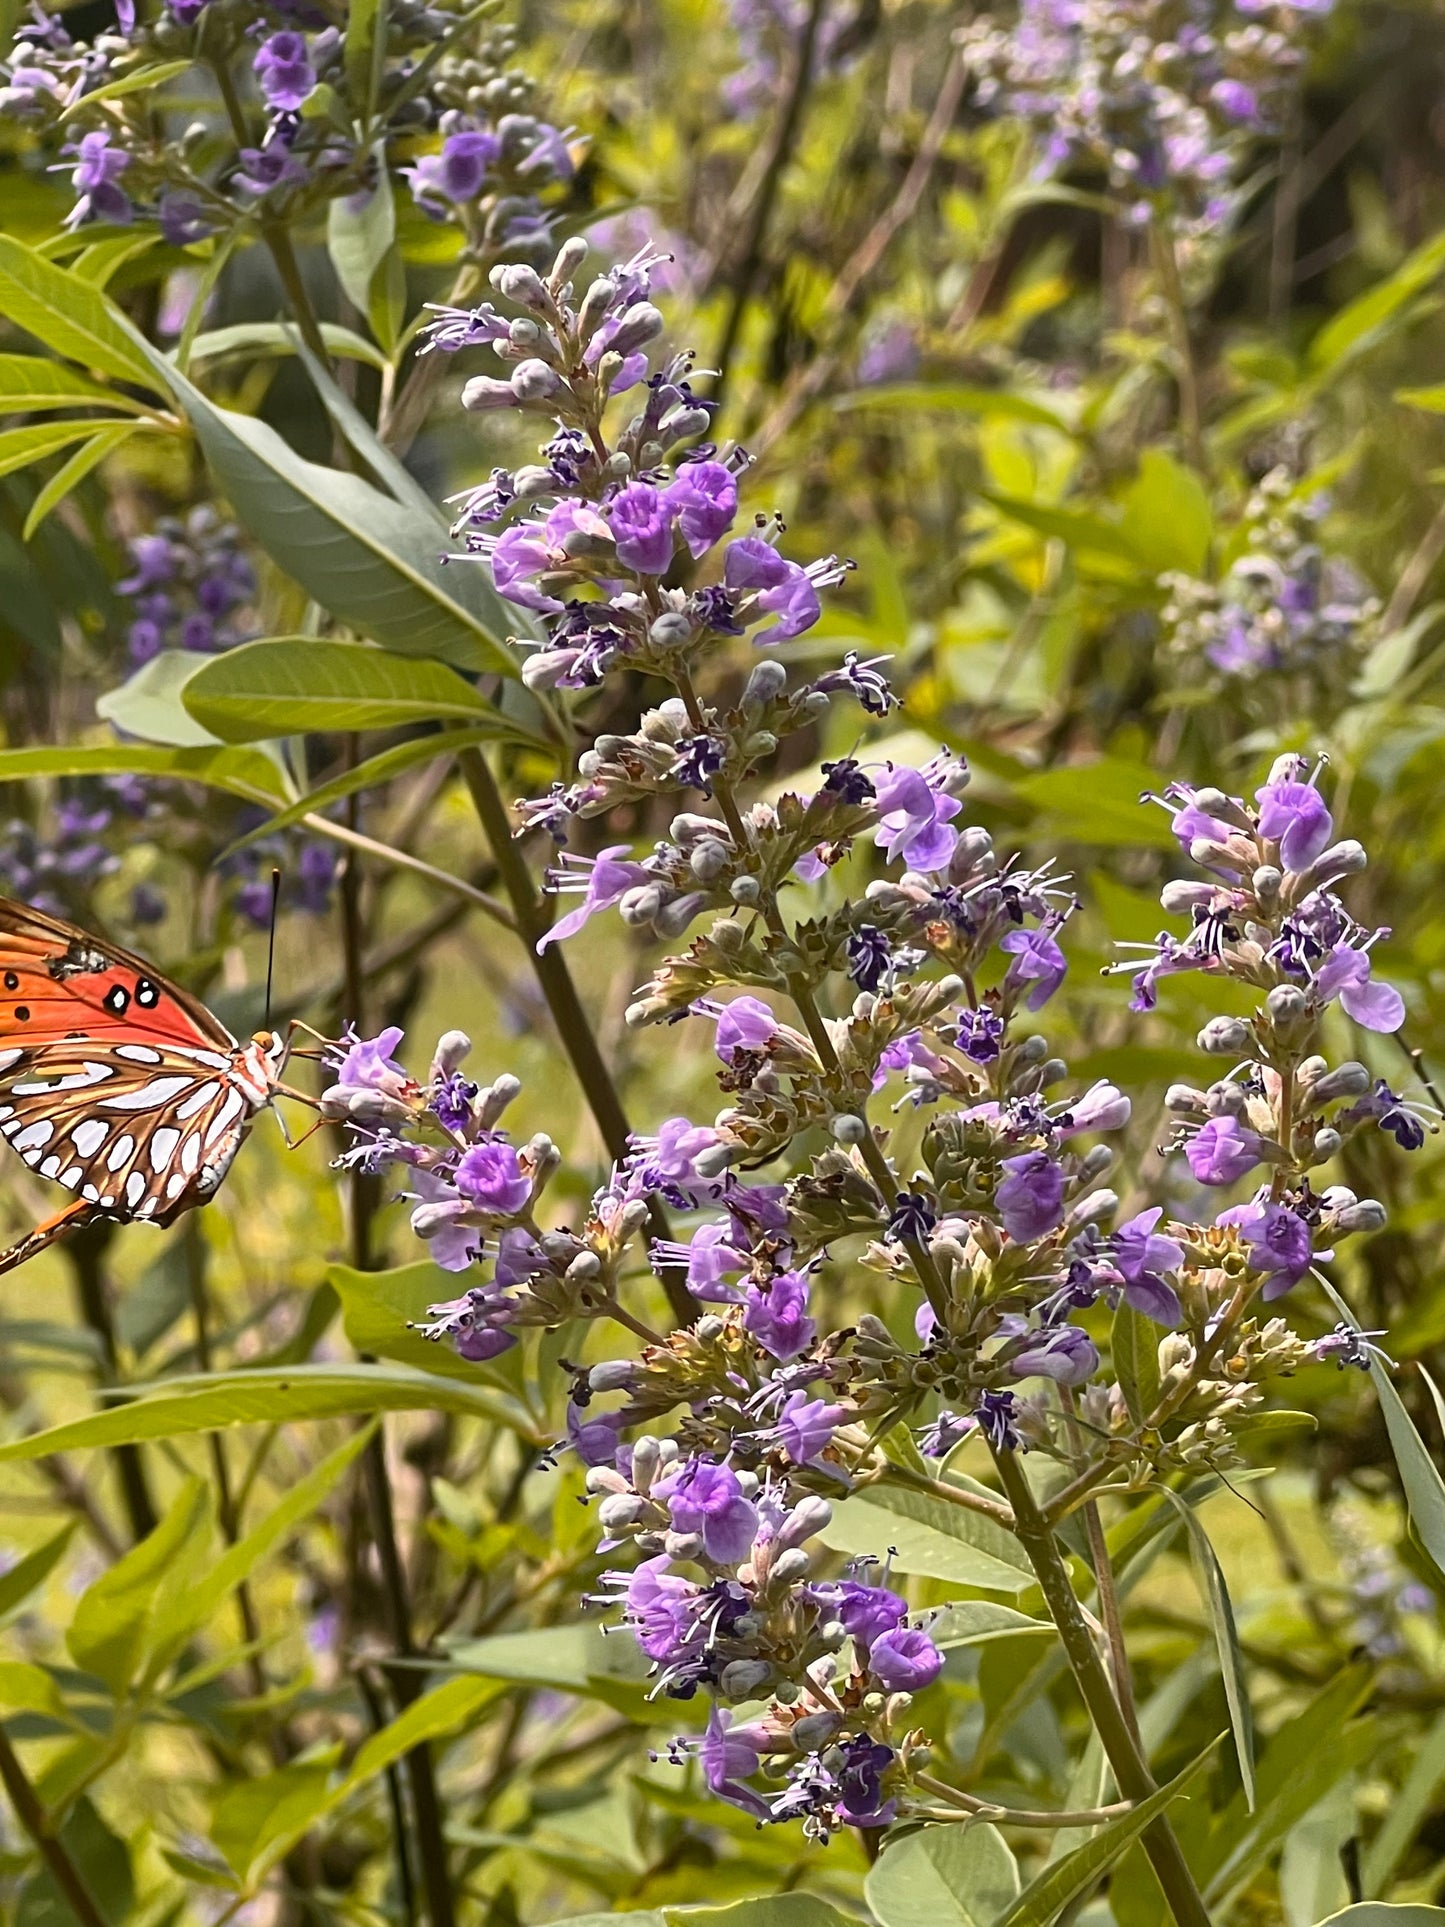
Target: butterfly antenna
[271,942]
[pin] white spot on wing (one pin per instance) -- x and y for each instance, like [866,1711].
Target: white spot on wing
[90,1194]
[89,1136]
[234,1105]
[34,1136]
[11,1056]
[135,1186]
[191,1153]
[119,1153]
[72,1177]
[175,1184]
[198,1099]
[160,1090]
[50,1168]
[138,1053]
[162,1143]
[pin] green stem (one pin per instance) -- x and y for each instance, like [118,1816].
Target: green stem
[85,1251]
[38,1824]
[958,1495]
[573,1028]
[1131,1770]
[278,242]
[1166,263]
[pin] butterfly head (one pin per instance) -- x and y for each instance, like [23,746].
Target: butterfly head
[257,1066]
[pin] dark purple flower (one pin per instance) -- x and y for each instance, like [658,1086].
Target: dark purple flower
[283,67]
[915,819]
[705,500]
[640,519]
[911,1219]
[1348,1345]
[862,680]
[706,1499]
[183,218]
[904,1660]
[1060,1352]
[458,173]
[846,779]
[475,1323]
[776,1313]
[869,956]
[491,1178]
[1222,1150]
[1037,960]
[1345,974]
[1141,1256]
[1031,1197]
[860,1783]
[1294,816]
[451,1101]
[699,758]
[980,1035]
[995,1414]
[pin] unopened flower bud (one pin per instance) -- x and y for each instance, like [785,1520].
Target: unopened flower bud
[584,1268]
[620,1511]
[646,1458]
[1094,1208]
[791,1566]
[810,1516]
[640,905]
[709,1329]
[848,1129]
[1345,1080]
[1181,896]
[1225,1037]
[641,323]
[485,391]
[612,1375]
[745,890]
[1368,1215]
[744,1679]
[671,630]
[1266,882]
[496,1097]
[1032,1050]
[712,1162]
[683,1545]
[1327,1143]
[1285,1004]
[570,256]
[1182,1100]
[521,284]
[814,1731]
[709,859]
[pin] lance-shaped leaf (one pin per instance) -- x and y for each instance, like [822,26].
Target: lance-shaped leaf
[70,316]
[287,685]
[1226,1638]
[240,772]
[1041,1903]
[931,1536]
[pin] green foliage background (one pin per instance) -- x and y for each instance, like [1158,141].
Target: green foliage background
[214,1709]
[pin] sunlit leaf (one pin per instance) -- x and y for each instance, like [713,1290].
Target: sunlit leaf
[946,1876]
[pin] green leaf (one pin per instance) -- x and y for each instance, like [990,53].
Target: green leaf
[111,1629]
[946,1876]
[32,382]
[103,1861]
[69,316]
[1424,1488]
[1226,1639]
[19,447]
[278,338]
[143,81]
[240,772]
[185,1610]
[210,1401]
[973,1622]
[1099,803]
[371,562]
[1134,1350]
[256,1822]
[149,703]
[360,228]
[1041,1903]
[1409,1807]
[1384,1913]
[30,1689]
[770,1910]
[377,769]
[365,56]
[73,472]
[1079,529]
[1365,320]
[932,1537]
[1302,1761]
[378,1306]
[573,1659]
[435,1714]
[294,685]
[1167,516]
[31,1572]
[956,398]
[102,260]
[1432,400]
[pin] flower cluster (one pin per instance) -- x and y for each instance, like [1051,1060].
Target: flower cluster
[1282,608]
[57,868]
[717,1451]
[769,33]
[191,586]
[1166,96]
[310,118]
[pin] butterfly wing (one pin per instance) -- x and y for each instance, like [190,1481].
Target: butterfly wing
[134,1129]
[57,983]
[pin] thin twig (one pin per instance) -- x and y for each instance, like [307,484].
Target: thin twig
[1024,1816]
[1415,574]
[404,860]
[41,1828]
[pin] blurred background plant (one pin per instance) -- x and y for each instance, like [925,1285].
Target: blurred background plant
[1105,336]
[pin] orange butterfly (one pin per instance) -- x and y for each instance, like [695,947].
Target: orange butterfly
[116,1082]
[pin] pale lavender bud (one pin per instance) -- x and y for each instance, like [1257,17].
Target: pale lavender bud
[641,323]
[483,391]
[452,1049]
[620,1511]
[744,1679]
[1180,896]
[534,381]
[677,915]
[1368,1215]
[521,284]
[570,256]
[1225,1037]
[1285,1004]
[1346,1080]
[791,1566]
[496,1097]
[612,1375]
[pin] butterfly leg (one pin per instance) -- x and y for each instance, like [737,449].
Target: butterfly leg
[49,1232]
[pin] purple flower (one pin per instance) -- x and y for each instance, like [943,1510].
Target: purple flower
[777,1314]
[745,1024]
[806,1427]
[475,1323]
[904,1660]
[727,1762]
[668,1162]
[640,519]
[980,1035]
[457,174]
[1141,1256]
[706,1499]
[709,1256]
[754,567]
[1060,1352]
[1031,1198]
[1222,1150]
[864,1612]
[869,957]
[98,166]
[705,500]
[183,218]
[1278,1242]
[604,880]
[490,1176]
[1037,960]
[1294,816]
[659,1606]
[860,1783]
[283,67]
[995,1414]
[1103,1107]
[914,820]
[1345,974]
[368,1063]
